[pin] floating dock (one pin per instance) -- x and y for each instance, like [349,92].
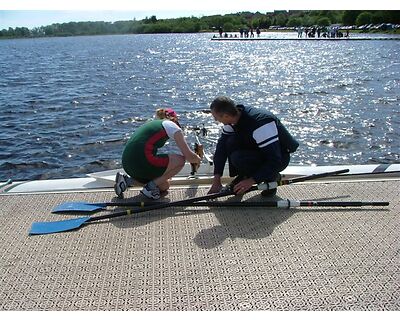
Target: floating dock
[305,39]
[200,258]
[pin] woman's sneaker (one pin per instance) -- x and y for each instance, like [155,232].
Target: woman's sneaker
[120,185]
[151,191]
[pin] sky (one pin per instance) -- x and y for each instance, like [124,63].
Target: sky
[36,13]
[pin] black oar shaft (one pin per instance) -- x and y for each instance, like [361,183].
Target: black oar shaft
[289,203]
[265,204]
[312,177]
[166,205]
[254,204]
[342,204]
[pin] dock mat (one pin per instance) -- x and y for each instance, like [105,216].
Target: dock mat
[200,258]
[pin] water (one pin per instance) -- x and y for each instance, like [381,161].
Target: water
[68,105]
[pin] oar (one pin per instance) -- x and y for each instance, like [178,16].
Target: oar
[93,207]
[67,225]
[278,204]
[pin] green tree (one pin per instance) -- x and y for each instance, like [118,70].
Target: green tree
[349,17]
[363,18]
[152,19]
[21,32]
[51,30]
[309,21]
[324,22]
[121,27]
[280,20]
[229,22]
[228,27]
[294,22]
[391,16]
[377,17]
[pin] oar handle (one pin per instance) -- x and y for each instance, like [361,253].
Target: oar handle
[342,204]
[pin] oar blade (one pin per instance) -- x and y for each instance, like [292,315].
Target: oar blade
[57,226]
[78,207]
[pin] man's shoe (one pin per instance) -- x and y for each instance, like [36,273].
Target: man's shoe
[120,185]
[271,192]
[268,193]
[151,191]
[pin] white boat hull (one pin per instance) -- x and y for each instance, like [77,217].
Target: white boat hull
[105,179]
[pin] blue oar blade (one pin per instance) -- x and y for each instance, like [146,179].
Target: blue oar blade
[78,207]
[57,226]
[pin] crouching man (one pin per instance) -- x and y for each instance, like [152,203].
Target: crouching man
[255,143]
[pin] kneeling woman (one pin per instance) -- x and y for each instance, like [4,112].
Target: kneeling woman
[143,163]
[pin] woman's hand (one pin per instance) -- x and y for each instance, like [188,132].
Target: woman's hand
[189,155]
[193,158]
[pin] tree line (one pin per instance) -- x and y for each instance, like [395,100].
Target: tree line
[229,23]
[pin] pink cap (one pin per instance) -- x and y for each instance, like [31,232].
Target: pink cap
[171,113]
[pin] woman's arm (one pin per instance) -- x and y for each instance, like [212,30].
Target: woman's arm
[189,155]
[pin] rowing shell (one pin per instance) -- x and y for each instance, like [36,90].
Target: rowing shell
[105,179]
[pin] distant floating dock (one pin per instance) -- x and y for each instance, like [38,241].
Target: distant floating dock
[305,39]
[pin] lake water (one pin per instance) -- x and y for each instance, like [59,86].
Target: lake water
[68,105]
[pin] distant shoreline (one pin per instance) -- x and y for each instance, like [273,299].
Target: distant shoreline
[377,21]
[200,32]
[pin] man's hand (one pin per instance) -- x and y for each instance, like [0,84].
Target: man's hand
[216,186]
[243,186]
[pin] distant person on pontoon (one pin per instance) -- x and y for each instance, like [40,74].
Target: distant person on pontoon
[220,31]
[299,32]
[251,32]
[255,143]
[145,165]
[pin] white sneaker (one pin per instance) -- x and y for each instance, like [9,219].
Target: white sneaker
[120,185]
[151,191]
